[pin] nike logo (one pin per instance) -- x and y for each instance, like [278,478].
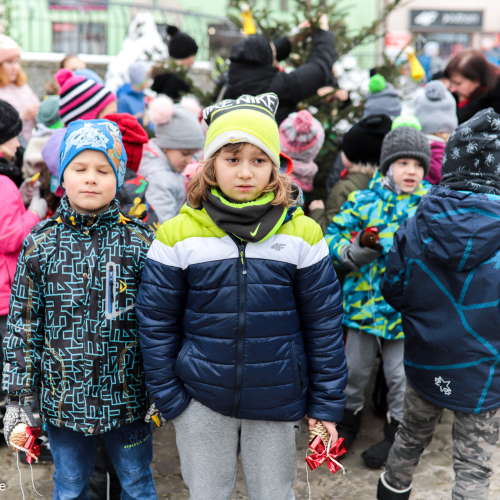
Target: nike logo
[255,232]
[235,140]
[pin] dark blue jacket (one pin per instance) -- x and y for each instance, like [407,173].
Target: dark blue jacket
[131,101]
[251,331]
[443,274]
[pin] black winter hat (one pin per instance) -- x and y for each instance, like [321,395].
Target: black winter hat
[363,142]
[471,160]
[254,49]
[180,44]
[405,142]
[10,122]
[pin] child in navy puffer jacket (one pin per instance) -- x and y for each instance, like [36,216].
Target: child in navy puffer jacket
[443,276]
[240,314]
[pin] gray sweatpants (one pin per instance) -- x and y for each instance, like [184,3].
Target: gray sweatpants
[209,444]
[361,351]
[475,438]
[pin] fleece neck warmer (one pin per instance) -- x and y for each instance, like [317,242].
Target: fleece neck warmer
[253,221]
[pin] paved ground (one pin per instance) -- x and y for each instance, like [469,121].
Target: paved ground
[433,481]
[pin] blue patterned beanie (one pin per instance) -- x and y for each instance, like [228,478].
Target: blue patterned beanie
[98,135]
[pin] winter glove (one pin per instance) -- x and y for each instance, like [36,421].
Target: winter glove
[355,256]
[15,414]
[154,414]
[27,190]
[38,205]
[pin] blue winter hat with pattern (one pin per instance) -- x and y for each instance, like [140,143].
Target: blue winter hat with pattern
[98,135]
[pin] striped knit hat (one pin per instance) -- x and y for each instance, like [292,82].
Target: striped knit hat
[80,98]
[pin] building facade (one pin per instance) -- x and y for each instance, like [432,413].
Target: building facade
[455,24]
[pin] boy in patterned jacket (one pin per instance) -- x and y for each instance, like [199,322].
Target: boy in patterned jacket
[72,331]
[373,325]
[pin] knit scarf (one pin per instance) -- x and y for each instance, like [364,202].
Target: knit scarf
[252,221]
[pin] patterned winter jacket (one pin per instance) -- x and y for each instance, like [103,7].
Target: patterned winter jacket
[251,330]
[132,198]
[364,306]
[443,274]
[72,329]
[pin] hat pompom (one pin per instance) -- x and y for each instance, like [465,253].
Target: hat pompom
[63,75]
[172,30]
[407,121]
[161,110]
[377,83]
[435,91]
[303,122]
[190,102]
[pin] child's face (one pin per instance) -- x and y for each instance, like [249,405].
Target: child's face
[90,182]
[179,158]
[243,176]
[408,174]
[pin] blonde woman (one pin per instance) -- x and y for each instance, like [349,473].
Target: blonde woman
[13,85]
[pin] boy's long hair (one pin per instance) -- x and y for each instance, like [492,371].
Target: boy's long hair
[279,184]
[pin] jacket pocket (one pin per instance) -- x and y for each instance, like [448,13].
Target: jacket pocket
[180,357]
[296,369]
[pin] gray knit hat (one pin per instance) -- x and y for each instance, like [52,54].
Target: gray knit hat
[176,127]
[383,98]
[405,142]
[436,109]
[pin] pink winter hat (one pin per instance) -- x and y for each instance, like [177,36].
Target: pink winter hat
[301,136]
[8,48]
[80,98]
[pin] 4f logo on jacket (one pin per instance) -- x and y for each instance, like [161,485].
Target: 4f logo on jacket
[278,246]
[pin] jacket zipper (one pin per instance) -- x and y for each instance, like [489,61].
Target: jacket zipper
[242,283]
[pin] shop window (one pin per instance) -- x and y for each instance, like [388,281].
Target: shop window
[76,38]
[450,43]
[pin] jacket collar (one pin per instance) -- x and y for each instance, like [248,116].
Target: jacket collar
[83,222]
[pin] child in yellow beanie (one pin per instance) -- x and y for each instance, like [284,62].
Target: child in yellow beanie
[240,314]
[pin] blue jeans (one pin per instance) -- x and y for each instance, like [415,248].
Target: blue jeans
[130,448]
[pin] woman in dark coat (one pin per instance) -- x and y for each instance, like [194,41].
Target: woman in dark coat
[475,83]
[254,69]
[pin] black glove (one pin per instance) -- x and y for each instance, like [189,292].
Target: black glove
[354,256]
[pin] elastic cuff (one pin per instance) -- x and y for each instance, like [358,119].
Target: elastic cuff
[391,488]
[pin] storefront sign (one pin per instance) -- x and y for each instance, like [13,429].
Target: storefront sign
[458,20]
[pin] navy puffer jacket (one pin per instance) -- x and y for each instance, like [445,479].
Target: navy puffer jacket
[443,275]
[251,330]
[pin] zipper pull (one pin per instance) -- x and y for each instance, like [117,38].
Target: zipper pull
[243,260]
[111,290]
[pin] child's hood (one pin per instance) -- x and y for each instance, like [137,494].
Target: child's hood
[458,230]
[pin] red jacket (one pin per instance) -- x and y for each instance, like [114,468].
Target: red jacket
[15,223]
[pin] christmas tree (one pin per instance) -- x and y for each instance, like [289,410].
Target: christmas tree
[332,113]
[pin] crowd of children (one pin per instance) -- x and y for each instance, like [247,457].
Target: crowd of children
[157,263]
